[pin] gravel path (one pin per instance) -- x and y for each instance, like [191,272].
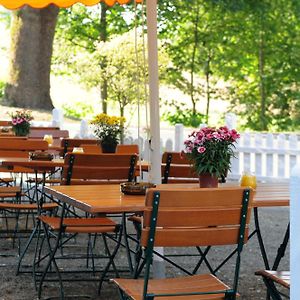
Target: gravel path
[273,222]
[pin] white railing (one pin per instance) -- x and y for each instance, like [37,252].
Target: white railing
[270,156]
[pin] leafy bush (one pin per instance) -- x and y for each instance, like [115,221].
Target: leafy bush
[78,110]
[183,115]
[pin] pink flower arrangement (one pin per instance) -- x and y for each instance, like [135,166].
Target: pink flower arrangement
[20,120]
[210,149]
[21,116]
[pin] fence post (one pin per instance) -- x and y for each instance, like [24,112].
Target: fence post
[84,129]
[294,234]
[281,156]
[247,152]
[270,156]
[293,143]
[178,137]
[258,155]
[57,118]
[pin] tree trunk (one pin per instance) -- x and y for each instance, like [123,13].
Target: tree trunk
[32,34]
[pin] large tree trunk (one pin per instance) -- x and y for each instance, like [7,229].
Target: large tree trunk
[32,34]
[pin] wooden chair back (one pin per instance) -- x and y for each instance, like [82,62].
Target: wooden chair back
[44,128]
[68,144]
[22,144]
[127,149]
[40,133]
[197,217]
[4,123]
[91,148]
[81,168]
[176,168]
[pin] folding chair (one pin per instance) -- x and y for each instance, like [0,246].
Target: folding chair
[83,168]
[12,208]
[273,280]
[216,217]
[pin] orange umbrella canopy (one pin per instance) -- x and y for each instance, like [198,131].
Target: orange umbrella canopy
[14,4]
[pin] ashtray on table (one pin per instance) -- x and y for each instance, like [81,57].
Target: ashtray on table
[135,188]
[41,156]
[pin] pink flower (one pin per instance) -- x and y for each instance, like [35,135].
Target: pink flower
[201,149]
[209,136]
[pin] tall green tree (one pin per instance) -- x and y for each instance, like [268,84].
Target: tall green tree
[81,28]
[192,31]
[261,62]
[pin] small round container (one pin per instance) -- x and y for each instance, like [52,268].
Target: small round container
[135,188]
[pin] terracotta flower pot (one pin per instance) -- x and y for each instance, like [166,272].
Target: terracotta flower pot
[207,180]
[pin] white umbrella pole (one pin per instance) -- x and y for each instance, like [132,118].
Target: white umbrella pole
[155,157]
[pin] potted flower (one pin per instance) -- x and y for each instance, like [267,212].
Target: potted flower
[108,129]
[20,120]
[210,151]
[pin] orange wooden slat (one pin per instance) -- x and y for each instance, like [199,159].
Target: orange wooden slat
[214,236]
[196,217]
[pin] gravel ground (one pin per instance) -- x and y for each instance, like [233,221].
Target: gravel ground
[273,223]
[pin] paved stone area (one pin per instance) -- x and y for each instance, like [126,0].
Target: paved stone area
[21,287]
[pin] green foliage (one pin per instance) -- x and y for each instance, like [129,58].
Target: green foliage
[182,115]
[2,87]
[251,46]
[5,17]
[78,110]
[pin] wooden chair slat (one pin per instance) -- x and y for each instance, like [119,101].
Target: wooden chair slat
[100,173]
[23,145]
[196,283]
[91,148]
[127,149]
[193,237]
[90,167]
[56,134]
[210,197]
[197,217]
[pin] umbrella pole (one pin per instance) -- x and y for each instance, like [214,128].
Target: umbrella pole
[155,156]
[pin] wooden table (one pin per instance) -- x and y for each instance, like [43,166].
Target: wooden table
[108,199]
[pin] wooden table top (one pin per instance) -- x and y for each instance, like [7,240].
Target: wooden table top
[108,198]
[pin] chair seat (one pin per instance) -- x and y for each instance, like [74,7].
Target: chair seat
[280,277]
[30,206]
[81,225]
[188,284]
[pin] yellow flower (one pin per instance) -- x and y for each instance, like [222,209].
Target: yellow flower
[108,127]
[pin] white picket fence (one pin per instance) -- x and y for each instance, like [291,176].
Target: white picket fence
[270,156]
